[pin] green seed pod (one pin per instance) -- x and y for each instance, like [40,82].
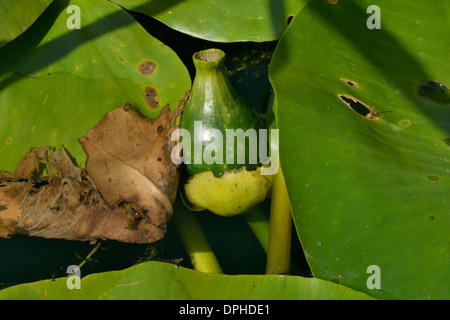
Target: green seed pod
[224,132]
[215,107]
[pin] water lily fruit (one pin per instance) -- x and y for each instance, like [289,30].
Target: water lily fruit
[221,151]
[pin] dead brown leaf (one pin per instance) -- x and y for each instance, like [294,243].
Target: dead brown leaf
[65,205]
[126,192]
[128,166]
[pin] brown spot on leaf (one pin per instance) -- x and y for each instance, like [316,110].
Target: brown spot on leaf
[350,83]
[147,68]
[151,97]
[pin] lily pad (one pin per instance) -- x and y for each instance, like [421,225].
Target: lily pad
[17,16]
[164,281]
[365,154]
[221,21]
[56,83]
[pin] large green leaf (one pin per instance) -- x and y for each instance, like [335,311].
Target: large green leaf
[17,16]
[158,281]
[368,192]
[221,21]
[56,83]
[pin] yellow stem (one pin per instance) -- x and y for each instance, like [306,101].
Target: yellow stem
[279,249]
[202,257]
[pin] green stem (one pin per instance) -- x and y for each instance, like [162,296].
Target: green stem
[195,242]
[258,221]
[279,249]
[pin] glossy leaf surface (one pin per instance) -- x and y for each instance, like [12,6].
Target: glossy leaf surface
[221,21]
[17,16]
[56,82]
[368,186]
[164,281]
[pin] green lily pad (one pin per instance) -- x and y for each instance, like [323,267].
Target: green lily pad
[56,82]
[368,185]
[17,16]
[221,21]
[164,281]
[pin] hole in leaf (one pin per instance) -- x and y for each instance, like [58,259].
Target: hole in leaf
[289,19]
[434,91]
[360,107]
[350,83]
